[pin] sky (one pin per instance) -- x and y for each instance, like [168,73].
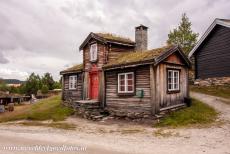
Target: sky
[44,35]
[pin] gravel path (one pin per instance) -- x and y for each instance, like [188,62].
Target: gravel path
[215,102]
[125,138]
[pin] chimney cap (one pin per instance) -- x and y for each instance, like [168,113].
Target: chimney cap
[141,27]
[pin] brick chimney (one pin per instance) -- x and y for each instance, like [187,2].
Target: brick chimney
[141,38]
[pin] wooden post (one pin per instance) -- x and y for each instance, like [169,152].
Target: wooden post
[102,89]
[152,89]
[63,87]
[158,90]
[85,86]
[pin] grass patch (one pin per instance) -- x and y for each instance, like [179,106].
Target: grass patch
[199,113]
[57,125]
[219,91]
[47,109]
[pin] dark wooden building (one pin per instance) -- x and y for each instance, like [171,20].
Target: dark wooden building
[122,74]
[212,52]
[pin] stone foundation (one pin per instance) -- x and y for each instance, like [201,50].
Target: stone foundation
[129,114]
[212,81]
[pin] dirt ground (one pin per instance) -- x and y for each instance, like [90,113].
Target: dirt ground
[109,137]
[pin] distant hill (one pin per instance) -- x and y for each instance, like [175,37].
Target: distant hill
[12,81]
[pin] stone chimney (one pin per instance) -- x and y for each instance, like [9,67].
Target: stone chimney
[141,38]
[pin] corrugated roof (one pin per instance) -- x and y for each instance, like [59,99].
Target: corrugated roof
[113,37]
[138,57]
[75,68]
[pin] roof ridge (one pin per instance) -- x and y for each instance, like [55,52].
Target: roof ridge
[113,36]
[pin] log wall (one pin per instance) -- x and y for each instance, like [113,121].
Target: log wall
[72,94]
[129,103]
[165,98]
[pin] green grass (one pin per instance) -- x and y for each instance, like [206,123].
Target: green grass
[47,109]
[198,114]
[219,91]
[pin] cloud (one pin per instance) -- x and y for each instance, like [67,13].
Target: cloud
[3,60]
[44,35]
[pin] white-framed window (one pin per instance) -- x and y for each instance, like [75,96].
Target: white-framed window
[126,82]
[93,52]
[173,80]
[73,82]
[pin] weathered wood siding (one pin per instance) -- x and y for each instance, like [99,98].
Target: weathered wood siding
[73,94]
[163,97]
[212,58]
[117,50]
[101,49]
[126,103]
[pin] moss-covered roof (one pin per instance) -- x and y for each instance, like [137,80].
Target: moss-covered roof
[137,57]
[116,38]
[73,69]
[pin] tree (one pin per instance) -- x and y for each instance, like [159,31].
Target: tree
[183,35]
[32,84]
[47,79]
[44,89]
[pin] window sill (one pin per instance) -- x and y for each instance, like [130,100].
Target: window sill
[173,91]
[126,94]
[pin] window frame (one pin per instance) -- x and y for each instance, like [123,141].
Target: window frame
[173,83]
[73,81]
[93,58]
[126,92]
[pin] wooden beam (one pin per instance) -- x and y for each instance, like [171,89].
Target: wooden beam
[102,90]
[63,87]
[85,86]
[152,89]
[158,90]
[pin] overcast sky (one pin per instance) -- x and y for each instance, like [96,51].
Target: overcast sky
[44,35]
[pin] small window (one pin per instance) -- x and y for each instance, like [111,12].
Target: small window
[173,80]
[73,82]
[93,52]
[126,82]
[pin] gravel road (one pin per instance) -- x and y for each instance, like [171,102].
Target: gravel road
[123,138]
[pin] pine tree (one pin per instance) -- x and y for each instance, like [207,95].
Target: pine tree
[183,35]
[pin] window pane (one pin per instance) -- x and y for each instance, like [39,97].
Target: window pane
[122,82]
[121,77]
[169,80]
[122,88]
[175,80]
[130,82]
[176,74]
[169,74]
[169,86]
[130,76]
[130,88]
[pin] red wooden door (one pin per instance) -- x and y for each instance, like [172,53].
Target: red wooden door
[94,85]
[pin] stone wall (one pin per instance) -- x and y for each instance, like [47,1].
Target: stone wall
[212,81]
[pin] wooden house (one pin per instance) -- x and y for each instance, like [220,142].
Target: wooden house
[124,75]
[212,52]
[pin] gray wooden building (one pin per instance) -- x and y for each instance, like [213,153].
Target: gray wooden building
[121,74]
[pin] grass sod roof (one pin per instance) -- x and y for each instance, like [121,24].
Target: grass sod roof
[73,69]
[138,57]
[115,38]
